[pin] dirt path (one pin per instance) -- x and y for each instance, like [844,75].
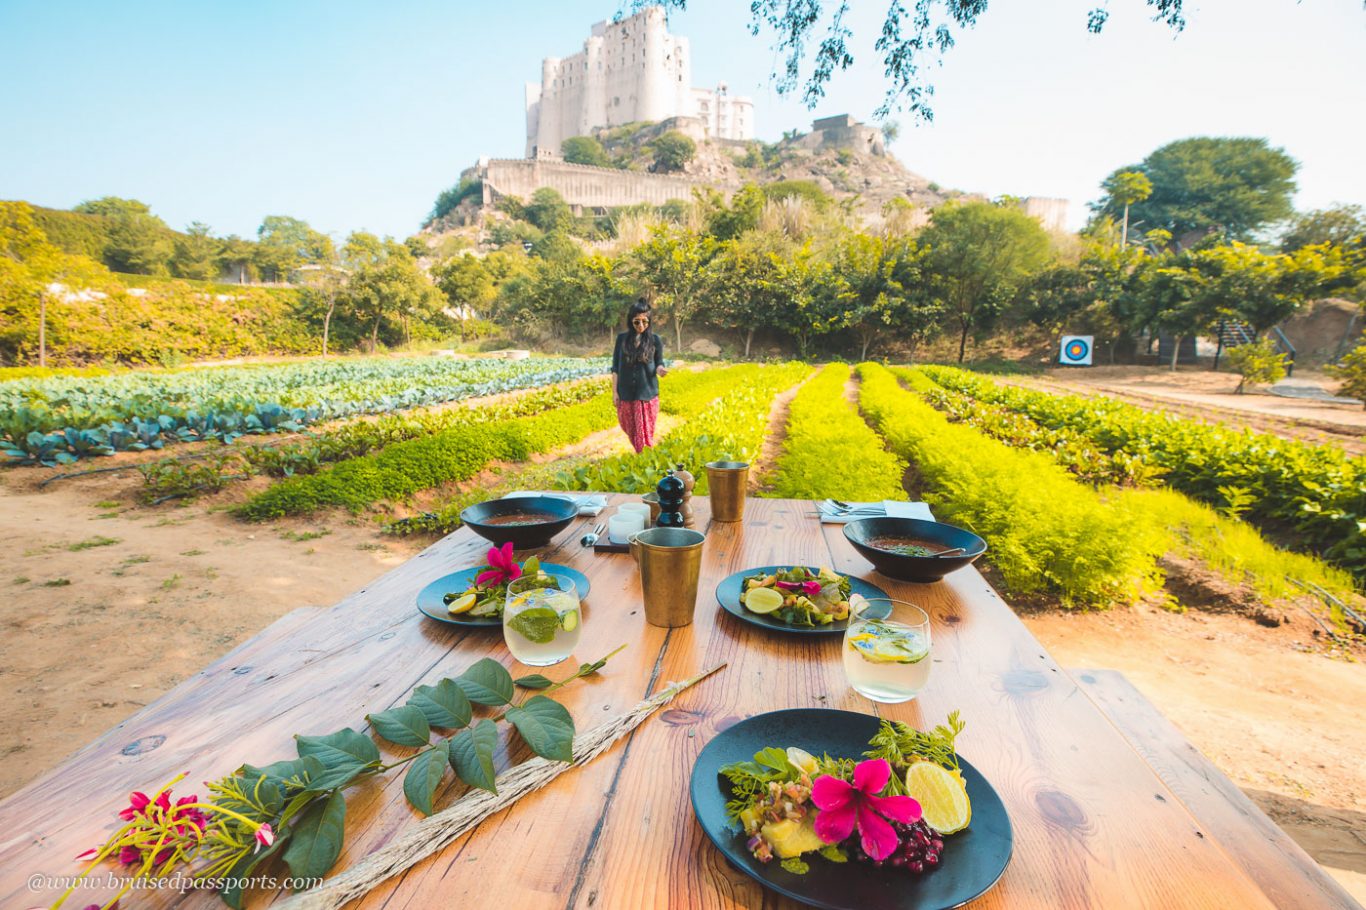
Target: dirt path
[1269,711]
[761,471]
[1209,396]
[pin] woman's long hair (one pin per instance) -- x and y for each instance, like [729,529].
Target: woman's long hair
[641,345]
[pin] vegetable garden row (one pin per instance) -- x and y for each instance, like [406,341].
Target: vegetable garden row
[58,419]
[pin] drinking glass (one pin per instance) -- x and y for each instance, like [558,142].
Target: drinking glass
[887,649]
[623,524]
[542,620]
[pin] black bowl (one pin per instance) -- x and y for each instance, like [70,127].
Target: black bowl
[523,537]
[923,569]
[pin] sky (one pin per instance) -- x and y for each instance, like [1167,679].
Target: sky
[354,115]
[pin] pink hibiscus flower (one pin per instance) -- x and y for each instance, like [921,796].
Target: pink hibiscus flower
[845,806]
[502,568]
[809,588]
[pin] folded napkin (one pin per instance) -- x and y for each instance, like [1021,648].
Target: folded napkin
[889,508]
[589,503]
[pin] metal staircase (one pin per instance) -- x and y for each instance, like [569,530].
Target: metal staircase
[1232,334]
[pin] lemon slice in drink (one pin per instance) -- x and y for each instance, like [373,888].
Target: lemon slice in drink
[942,796]
[463,604]
[763,600]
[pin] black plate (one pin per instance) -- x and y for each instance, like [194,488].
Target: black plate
[430,602]
[973,859]
[523,537]
[921,569]
[728,595]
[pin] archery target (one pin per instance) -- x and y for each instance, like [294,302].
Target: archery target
[1076,350]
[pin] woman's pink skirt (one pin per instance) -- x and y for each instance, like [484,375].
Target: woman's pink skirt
[637,419]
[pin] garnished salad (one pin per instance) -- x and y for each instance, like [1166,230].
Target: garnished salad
[798,596]
[894,808]
[488,594]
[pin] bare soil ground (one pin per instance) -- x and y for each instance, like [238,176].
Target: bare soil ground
[1205,395]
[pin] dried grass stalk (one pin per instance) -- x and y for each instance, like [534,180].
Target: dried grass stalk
[434,833]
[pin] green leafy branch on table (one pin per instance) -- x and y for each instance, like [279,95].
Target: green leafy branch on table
[295,809]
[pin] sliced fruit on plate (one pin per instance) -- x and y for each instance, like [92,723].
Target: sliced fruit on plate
[942,795]
[791,837]
[802,760]
[763,600]
[464,603]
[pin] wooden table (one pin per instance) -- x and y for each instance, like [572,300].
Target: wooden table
[1094,826]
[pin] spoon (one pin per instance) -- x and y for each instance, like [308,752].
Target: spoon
[589,539]
[956,551]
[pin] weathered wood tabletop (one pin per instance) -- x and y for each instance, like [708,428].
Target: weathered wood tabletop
[1094,826]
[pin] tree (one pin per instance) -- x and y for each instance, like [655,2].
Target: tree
[1261,289]
[196,253]
[865,283]
[585,150]
[1173,303]
[387,284]
[548,211]
[890,131]
[726,222]
[1126,188]
[139,244]
[1344,225]
[912,42]
[673,151]
[742,286]
[1233,186]
[285,243]
[1351,369]
[976,256]
[1257,364]
[113,207]
[468,287]
[671,264]
[809,306]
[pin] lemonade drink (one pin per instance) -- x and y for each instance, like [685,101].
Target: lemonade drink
[885,659]
[541,625]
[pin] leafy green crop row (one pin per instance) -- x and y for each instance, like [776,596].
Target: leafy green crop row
[830,451]
[1047,532]
[729,427]
[451,455]
[1316,492]
[1231,548]
[101,414]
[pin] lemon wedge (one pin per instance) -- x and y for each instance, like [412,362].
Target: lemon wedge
[463,604]
[801,759]
[942,796]
[763,600]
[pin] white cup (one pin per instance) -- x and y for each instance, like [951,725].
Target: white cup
[638,508]
[622,525]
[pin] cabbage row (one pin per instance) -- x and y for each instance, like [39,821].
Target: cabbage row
[58,419]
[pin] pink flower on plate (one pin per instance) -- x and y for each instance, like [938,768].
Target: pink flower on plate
[809,588]
[845,806]
[502,568]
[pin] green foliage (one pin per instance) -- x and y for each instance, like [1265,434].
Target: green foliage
[1258,363]
[1233,185]
[548,211]
[1047,533]
[451,455]
[726,415]
[585,150]
[824,431]
[285,243]
[807,190]
[1343,225]
[1351,369]
[168,478]
[673,151]
[672,264]
[1315,495]
[448,199]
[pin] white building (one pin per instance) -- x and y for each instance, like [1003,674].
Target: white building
[628,71]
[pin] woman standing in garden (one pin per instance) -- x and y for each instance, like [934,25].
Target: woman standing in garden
[637,364]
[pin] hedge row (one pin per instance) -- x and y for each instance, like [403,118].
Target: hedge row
[1047,533]
[1316,492]
[830,451]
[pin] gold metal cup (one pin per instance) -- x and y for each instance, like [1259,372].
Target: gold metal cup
[727,482]
[670,561]
[652,500]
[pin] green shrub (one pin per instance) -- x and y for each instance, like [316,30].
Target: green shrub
[1258,363]
[673,151]
[830,452]
[1047,533]
[1351,369]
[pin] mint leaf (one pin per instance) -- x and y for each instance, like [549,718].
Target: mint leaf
[546,726]
[796,865]
[538,624]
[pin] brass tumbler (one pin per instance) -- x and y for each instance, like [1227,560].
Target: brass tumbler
[651,499]
[727,482]
[670,561]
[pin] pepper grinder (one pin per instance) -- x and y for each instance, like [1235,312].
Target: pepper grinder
[670,490]
[689,482]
